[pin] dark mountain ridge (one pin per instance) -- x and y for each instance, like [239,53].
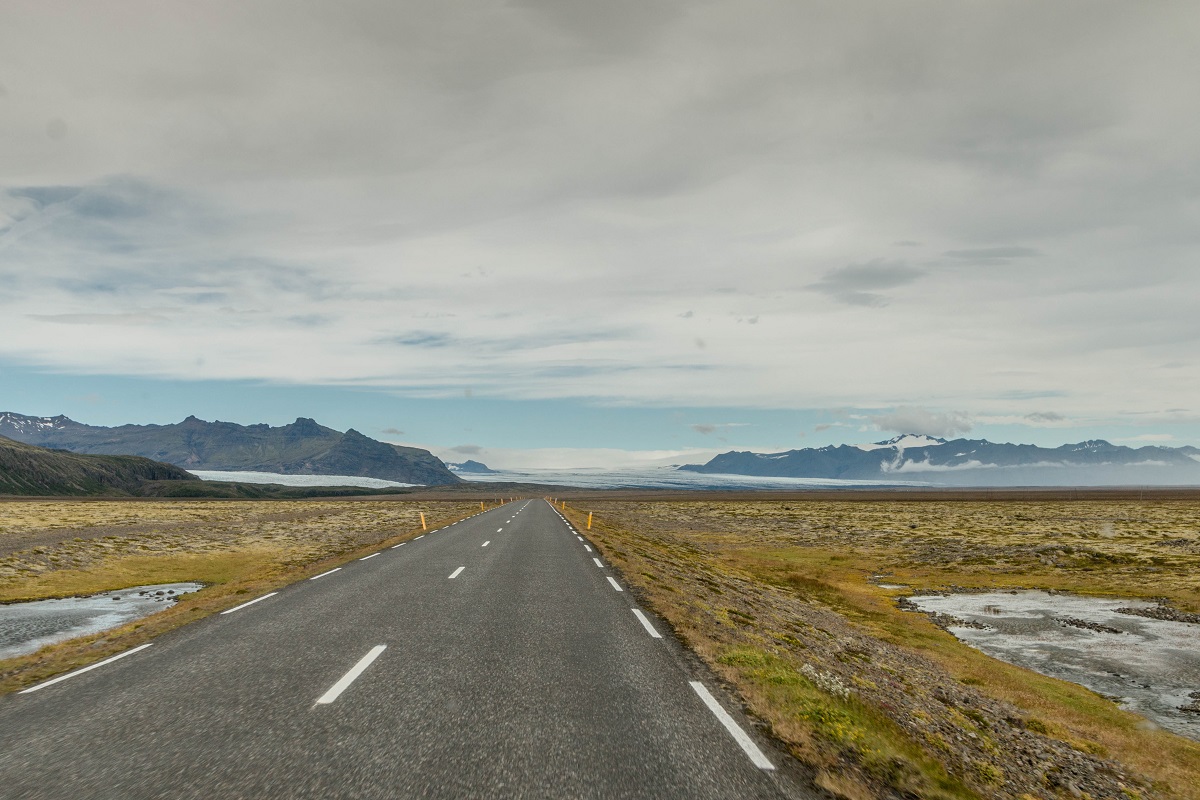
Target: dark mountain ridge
[26,469]
[971,462]
[300,448]
[470,466]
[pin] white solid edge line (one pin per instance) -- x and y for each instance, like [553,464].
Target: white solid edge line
[252,602]
[615,585]
[399,545]
[350,676]
[485,544]
[456,573]
[646,624]
[323,574]
[364,558]
[88,668]
[739,735]
[598,564]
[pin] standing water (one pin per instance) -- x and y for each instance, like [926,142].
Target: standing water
[28,627]
[1149,666]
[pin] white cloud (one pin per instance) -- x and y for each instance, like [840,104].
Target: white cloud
[509,458]
[910,419]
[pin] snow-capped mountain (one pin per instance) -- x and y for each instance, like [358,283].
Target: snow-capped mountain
[300,448]
[903,441]
[971,462]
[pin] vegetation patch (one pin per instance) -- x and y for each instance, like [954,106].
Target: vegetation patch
[237,549]
[784,599]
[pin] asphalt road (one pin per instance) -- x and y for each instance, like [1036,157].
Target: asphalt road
[497,657]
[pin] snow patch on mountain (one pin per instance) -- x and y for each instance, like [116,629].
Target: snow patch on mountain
[902,442]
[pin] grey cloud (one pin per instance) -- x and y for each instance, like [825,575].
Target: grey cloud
[992,254]
[467,449]
[910,419]
[627,164]
[422,339]
[132,318]
[707,428]
[393,431]
[1045,416]
[862,284]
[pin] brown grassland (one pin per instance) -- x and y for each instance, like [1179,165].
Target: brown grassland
[778,597]
[237,549]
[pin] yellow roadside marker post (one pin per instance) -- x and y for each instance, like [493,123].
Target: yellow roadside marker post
[589,520]
[423,521]
[481,505]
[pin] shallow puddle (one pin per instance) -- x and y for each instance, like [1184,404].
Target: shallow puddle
[1149,666]
[27,627]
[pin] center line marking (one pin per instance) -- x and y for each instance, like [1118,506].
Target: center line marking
[615,585]
[350,676]
[499,529]
[364,558]
[323,574]
[88,668]
[739,735]
[252,602]
[646,624]
[598,564]
[485,544]
[456,572]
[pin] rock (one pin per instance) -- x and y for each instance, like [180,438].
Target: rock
[1075,622]
[1162,612]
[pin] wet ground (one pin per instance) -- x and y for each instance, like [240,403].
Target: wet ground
[1148,666]
[27,627]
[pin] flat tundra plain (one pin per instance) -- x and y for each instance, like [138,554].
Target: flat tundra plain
[780,597]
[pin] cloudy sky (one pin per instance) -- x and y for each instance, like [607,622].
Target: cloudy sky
[640,225]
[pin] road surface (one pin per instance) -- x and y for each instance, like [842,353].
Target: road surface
[496,657]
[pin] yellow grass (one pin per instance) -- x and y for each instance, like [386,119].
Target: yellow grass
[237,549]
[697,564]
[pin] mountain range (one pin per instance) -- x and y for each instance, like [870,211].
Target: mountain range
[300,448]
[970,462]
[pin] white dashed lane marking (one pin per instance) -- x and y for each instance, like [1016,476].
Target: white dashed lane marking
[456,573]
[323,574]
[646,624]
[352,675]
[252,602]
[739,735]
[88,668]
[615,585]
